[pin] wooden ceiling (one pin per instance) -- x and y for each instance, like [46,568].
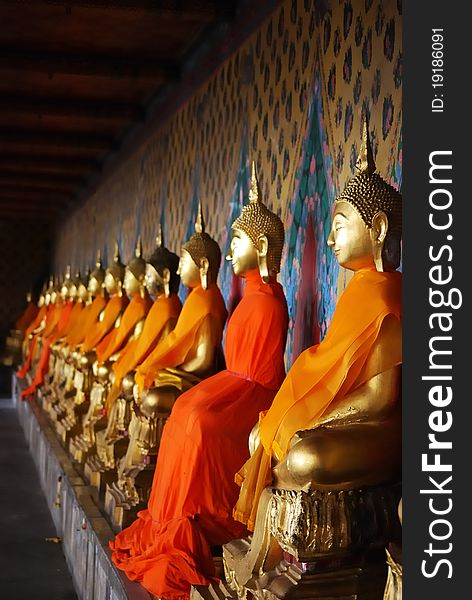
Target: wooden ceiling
[76,76]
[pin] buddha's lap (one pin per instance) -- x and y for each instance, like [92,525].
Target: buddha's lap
[224,404]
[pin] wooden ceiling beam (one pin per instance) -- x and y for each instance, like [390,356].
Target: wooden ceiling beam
[7,176]
[57,140]
[83,64]
[47,164]
[20,194]
[66,107]
[205,9]
[11,204]
[19,182]
[15,214]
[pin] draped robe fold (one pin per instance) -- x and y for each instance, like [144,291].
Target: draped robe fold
[164,310]
[136,310]
[205,441]
[98,330]
[52,332]
[27,317]
[321,375]
[174,349]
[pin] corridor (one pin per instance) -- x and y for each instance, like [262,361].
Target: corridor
[30,566]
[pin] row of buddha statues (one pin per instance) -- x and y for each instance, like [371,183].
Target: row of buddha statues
[225,476]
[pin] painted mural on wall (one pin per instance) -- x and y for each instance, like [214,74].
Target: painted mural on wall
[293,98]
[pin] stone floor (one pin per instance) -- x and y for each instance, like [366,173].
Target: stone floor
[31,568]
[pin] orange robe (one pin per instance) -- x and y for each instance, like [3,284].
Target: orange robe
[37,321]
[99,329]
[136,310]
[29,314]
[50,319]
[89,319]
[53,331]
[321,375]
[74,318]
[21,373]
[161,312]
[204,442]
[173,351]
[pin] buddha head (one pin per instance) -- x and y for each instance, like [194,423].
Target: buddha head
[115,274]
[161,270]
[200,257]
[73,289]
[135,272]
[257,237]
[66,285]
[367,219]
[81,287]
[42,296]
[97,278]
[48,292]
[55,290]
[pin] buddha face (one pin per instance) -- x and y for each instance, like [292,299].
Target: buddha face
[111,284]
[350,238]
[64,292]
[243,253]
[94,286]
[82,292]
[153,281]
[188,270]
[131,284]
[73,291]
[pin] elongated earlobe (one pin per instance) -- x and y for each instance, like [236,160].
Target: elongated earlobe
[166,280]
[204,266]
[262,250]
[378,234]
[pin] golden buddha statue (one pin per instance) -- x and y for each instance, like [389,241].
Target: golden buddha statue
[93,298]
[55,367]
[12,354]
[62,380]
[394,585]
[162,282]
[49,301]
[190,353]
[56,317]
[108,351]
[204,441]
[109,320]
[30,339]
[321,486]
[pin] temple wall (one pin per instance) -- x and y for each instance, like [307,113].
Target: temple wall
[293,97]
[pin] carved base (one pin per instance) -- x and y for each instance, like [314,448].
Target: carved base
[79,448]
[394,585]
[125,499]
[92,474]
[318,543]
[305,581]
[121,513]
[99,480]
[308,525]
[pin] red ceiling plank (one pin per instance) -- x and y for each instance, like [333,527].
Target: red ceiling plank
[26,178]
[160,70]
[66,107]
[47,164]
[55,139]
[204,9]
